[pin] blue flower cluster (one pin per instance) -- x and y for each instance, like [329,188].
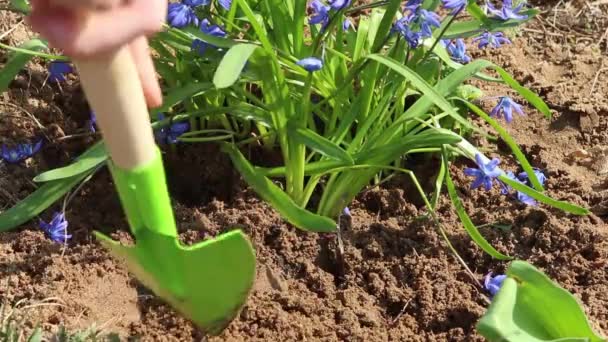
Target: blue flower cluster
[321,11]
[58,70]
[417,23]
[57,229]
[183,14]
[493,284]
[523,179]
[487,172]
[20,152]
[505,107]
[169,135]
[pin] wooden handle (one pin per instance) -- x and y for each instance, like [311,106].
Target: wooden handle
[113,88]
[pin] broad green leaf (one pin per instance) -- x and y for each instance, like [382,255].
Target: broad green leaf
[86,162]
[466,220]
[37,202]
[22,6]
[17,61]
[531,308]
[232,65]
[360,41]
[299,217]
[565,206]
[322,145]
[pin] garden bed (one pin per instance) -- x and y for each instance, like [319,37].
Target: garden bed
[400,282]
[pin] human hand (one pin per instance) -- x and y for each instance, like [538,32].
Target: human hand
[85,28]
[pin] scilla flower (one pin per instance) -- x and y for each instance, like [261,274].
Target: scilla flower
[493,284]
[311,64]
[57,229]
[505,107]
[486,172]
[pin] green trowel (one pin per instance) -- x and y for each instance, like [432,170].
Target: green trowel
[208,282]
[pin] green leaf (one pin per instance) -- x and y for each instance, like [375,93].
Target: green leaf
[299,217]
[36,335]
[195,33]
[17,61]
[386,24]
[37,202]
[466,220]
[177,95]
[531,308]
[423,86]
[322,145]
[534,99]
[393,150]
[232,65]
[22,6]
[469,28]
[565,206]
[86,162]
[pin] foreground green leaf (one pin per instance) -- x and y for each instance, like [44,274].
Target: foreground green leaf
[531,308]
[232,65]
[38,201]
[565,206]
[86,162]
[18,60]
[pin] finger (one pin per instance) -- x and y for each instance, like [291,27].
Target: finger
[147,74]
[81,36]
[94,4]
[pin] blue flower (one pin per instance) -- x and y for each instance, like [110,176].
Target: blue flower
[523,176]
[454,5]
[201,46]
[505,107]
[507,12]
[346,24]
[20,153]
[522,197]
[428,19]
[411,37]
[310,64]
[493,40]
[226,4]
[346,212]
[195,3]
[181,14]
[339,4]
[412,5]
[93,122]
[57,71]
[57,229]
[29,150]
[493,284]
[458,51]
[486,172]
[320,13]
[11,155]
[169,135]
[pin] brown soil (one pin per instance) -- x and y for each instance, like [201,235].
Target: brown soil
[400,281]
